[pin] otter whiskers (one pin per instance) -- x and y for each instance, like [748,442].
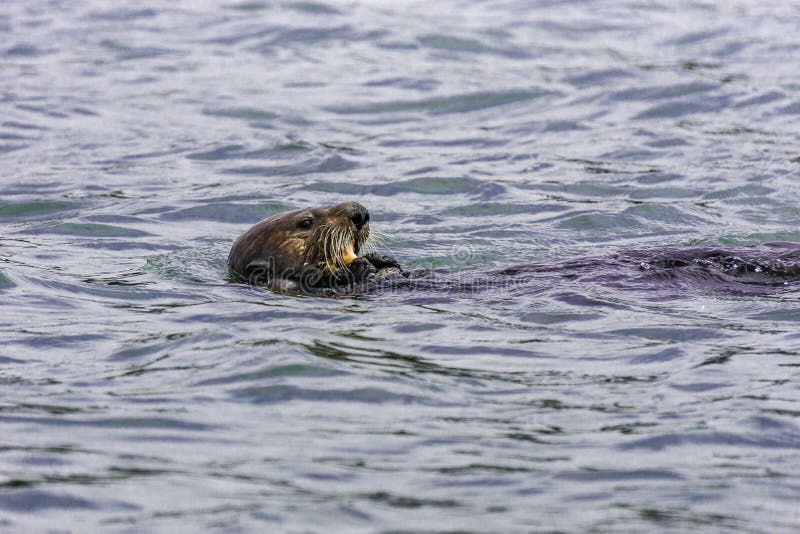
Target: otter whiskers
[332,241]
[377,243]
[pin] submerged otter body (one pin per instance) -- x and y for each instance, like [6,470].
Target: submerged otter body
[310,250]
[319,250]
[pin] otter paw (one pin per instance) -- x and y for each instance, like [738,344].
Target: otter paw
[382,261]
[361,269]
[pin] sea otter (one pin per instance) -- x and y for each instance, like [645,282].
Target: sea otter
[310,249]
[321,251]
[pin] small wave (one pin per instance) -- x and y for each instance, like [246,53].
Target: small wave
[287,393]
[447,104]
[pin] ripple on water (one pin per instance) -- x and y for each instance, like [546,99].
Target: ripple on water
[250,114]
[37,501]
[676,215]
[679,109]
[422,186]
[617,476]
[129,52]
[90,230]
[277,371]
[367,395]
[114,292]
[495,209]
[135,423]
[42,209]
[5,281]
[453,43]
[660,356]
[770,440]
[447,104]
[665,92]
[593,221]
[227,212]
[671,334]
[331,163]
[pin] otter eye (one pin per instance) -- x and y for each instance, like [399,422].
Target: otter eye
[305,224]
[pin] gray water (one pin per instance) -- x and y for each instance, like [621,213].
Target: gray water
[142,388]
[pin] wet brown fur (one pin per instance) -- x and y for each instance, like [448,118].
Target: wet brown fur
[281,247]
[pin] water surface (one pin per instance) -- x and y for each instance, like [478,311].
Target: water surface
[142,389]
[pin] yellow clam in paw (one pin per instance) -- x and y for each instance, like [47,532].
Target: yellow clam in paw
[349,253]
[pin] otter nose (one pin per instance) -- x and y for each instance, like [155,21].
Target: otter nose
[360,215]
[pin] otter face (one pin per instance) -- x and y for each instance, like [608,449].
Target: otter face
[285,246]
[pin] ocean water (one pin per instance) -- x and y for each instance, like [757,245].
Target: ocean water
[142,388]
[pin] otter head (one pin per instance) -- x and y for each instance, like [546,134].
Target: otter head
[315,245]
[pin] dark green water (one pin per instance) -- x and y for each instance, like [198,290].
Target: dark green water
[142,390]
